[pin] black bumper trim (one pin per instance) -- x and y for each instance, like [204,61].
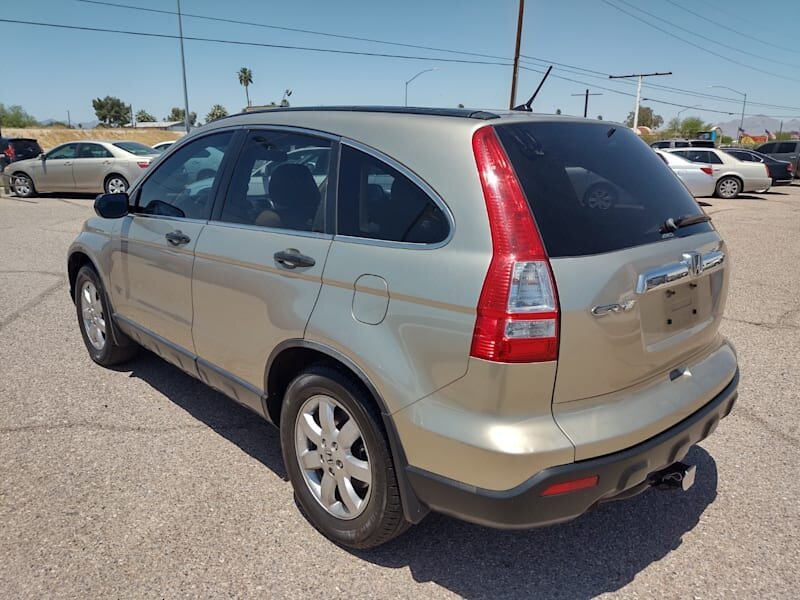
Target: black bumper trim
[621,474]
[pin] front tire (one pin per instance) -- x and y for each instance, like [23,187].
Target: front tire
[728,188]
[338,459]
[115,184]
[22,185]
[106,344]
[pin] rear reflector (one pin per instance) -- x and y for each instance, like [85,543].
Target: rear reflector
[517,313]
[707,170]
[571,486]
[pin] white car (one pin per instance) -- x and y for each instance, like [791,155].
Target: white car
[698,178]
[731,176]
[161,146]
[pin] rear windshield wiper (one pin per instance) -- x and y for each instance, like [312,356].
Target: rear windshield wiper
[671,224]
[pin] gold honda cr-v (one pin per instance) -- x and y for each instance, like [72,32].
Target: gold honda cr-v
[501,316]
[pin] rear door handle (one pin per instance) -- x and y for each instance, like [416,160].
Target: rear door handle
[177,238]
[291,259]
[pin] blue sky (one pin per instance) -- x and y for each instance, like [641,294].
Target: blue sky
[49,71]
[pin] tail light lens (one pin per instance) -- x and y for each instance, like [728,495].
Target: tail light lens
[9,152]
[766,170]
[789,167]
[707,170]
[517,314]
[143,163]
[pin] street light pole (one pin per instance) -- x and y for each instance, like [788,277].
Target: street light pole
[183,67]
[413,78]
[744,104]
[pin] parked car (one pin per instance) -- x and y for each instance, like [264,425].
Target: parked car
[161,146]
[780,171]
[731,176]
[787,150]
[476,341]
[698,178]
[12,150]
[85,166]
[682,143]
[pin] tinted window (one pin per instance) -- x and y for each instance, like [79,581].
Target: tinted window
[746,156]
[280,181]
[376,201]
[682,144]
[594,188]
[767,148]
[181,185]
[93,151]
[136,148]
[26,149]
[785,148]
[65,151]
[701,156]
[659,145]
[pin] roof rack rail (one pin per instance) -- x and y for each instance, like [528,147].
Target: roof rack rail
[411,110]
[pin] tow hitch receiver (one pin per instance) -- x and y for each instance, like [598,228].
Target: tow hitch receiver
[677,475]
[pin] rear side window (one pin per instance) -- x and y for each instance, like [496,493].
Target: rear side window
[785,148]
[376,201]
[767,148]
[594,188]
[26,149]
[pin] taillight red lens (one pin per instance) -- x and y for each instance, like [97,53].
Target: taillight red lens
[789,167]
[766,170]
[143,163]
[707,170]
[9,152]
[571,486]
[517,313]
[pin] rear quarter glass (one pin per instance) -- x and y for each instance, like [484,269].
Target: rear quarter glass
[26,149]
[595,188]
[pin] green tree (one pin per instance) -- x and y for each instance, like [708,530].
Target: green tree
[674,125]
[217,112]
[178,114]
[144,117]
[647,118]
[246,79]
[691,125]
[111,111]
[460,105]
[15,116]
[783,135]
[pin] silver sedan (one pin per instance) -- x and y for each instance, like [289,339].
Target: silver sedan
[698,178]
[85,166]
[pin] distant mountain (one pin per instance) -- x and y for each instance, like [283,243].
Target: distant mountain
[756,125]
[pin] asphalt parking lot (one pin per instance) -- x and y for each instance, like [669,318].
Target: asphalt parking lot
[142,482]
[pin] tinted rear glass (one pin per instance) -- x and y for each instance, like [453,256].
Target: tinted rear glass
[136,148]
[26,149]
[595,188]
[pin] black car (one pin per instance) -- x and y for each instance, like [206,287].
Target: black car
[14,149]
[779,170]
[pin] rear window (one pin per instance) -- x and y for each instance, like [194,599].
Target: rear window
[136,148]
[26,149]
[595,188]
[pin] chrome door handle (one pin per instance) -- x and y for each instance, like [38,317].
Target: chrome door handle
[291,259]
[692,264]
[177,238]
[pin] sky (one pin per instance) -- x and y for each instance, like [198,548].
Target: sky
[50,71]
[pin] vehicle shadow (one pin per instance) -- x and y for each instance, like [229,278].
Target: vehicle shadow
[232,421]
[600,552]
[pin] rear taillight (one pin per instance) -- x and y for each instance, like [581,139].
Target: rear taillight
[789,167]
[517,314]
[707,170]
[766,169]
[143,163]
[9,152]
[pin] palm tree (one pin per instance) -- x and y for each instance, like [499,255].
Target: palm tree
[246,78]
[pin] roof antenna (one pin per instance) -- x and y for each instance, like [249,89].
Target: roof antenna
[527,106]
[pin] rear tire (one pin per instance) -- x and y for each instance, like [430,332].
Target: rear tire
[728,188]
[115,184]
[22,185]
[106,344]
[329,460]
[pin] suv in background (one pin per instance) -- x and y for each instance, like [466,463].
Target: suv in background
[787,150]
[665,144]
[14,149]
[436,320]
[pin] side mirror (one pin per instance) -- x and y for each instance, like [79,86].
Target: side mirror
[111,206]
[42,156]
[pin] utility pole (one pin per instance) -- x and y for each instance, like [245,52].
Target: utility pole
[512,101]
[586,101]
[183,67]
[69,121]
[639,76]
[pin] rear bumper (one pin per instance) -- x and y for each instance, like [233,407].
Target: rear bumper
[619,474]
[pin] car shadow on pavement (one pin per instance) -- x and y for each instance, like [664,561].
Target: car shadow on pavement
[599,552]
[232,421]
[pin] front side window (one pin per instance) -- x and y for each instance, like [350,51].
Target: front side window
[93,151]
[181,186]
[376,201]
[280,181]
[63,152]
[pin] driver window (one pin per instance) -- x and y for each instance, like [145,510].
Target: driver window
[181,185]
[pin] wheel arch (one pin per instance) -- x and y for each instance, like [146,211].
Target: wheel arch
[291,357]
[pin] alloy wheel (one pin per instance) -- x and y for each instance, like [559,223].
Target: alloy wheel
[94,322]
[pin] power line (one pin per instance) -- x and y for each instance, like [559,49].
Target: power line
[256,44]
[698,46]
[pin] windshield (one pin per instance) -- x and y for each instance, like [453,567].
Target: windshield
[136,148]
[595,187]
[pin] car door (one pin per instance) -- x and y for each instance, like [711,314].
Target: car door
[151,271]
[90,166]
[54,171]
[259,261]
[787,151]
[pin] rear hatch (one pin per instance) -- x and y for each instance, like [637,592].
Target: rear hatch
[638,296]
[25,148]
